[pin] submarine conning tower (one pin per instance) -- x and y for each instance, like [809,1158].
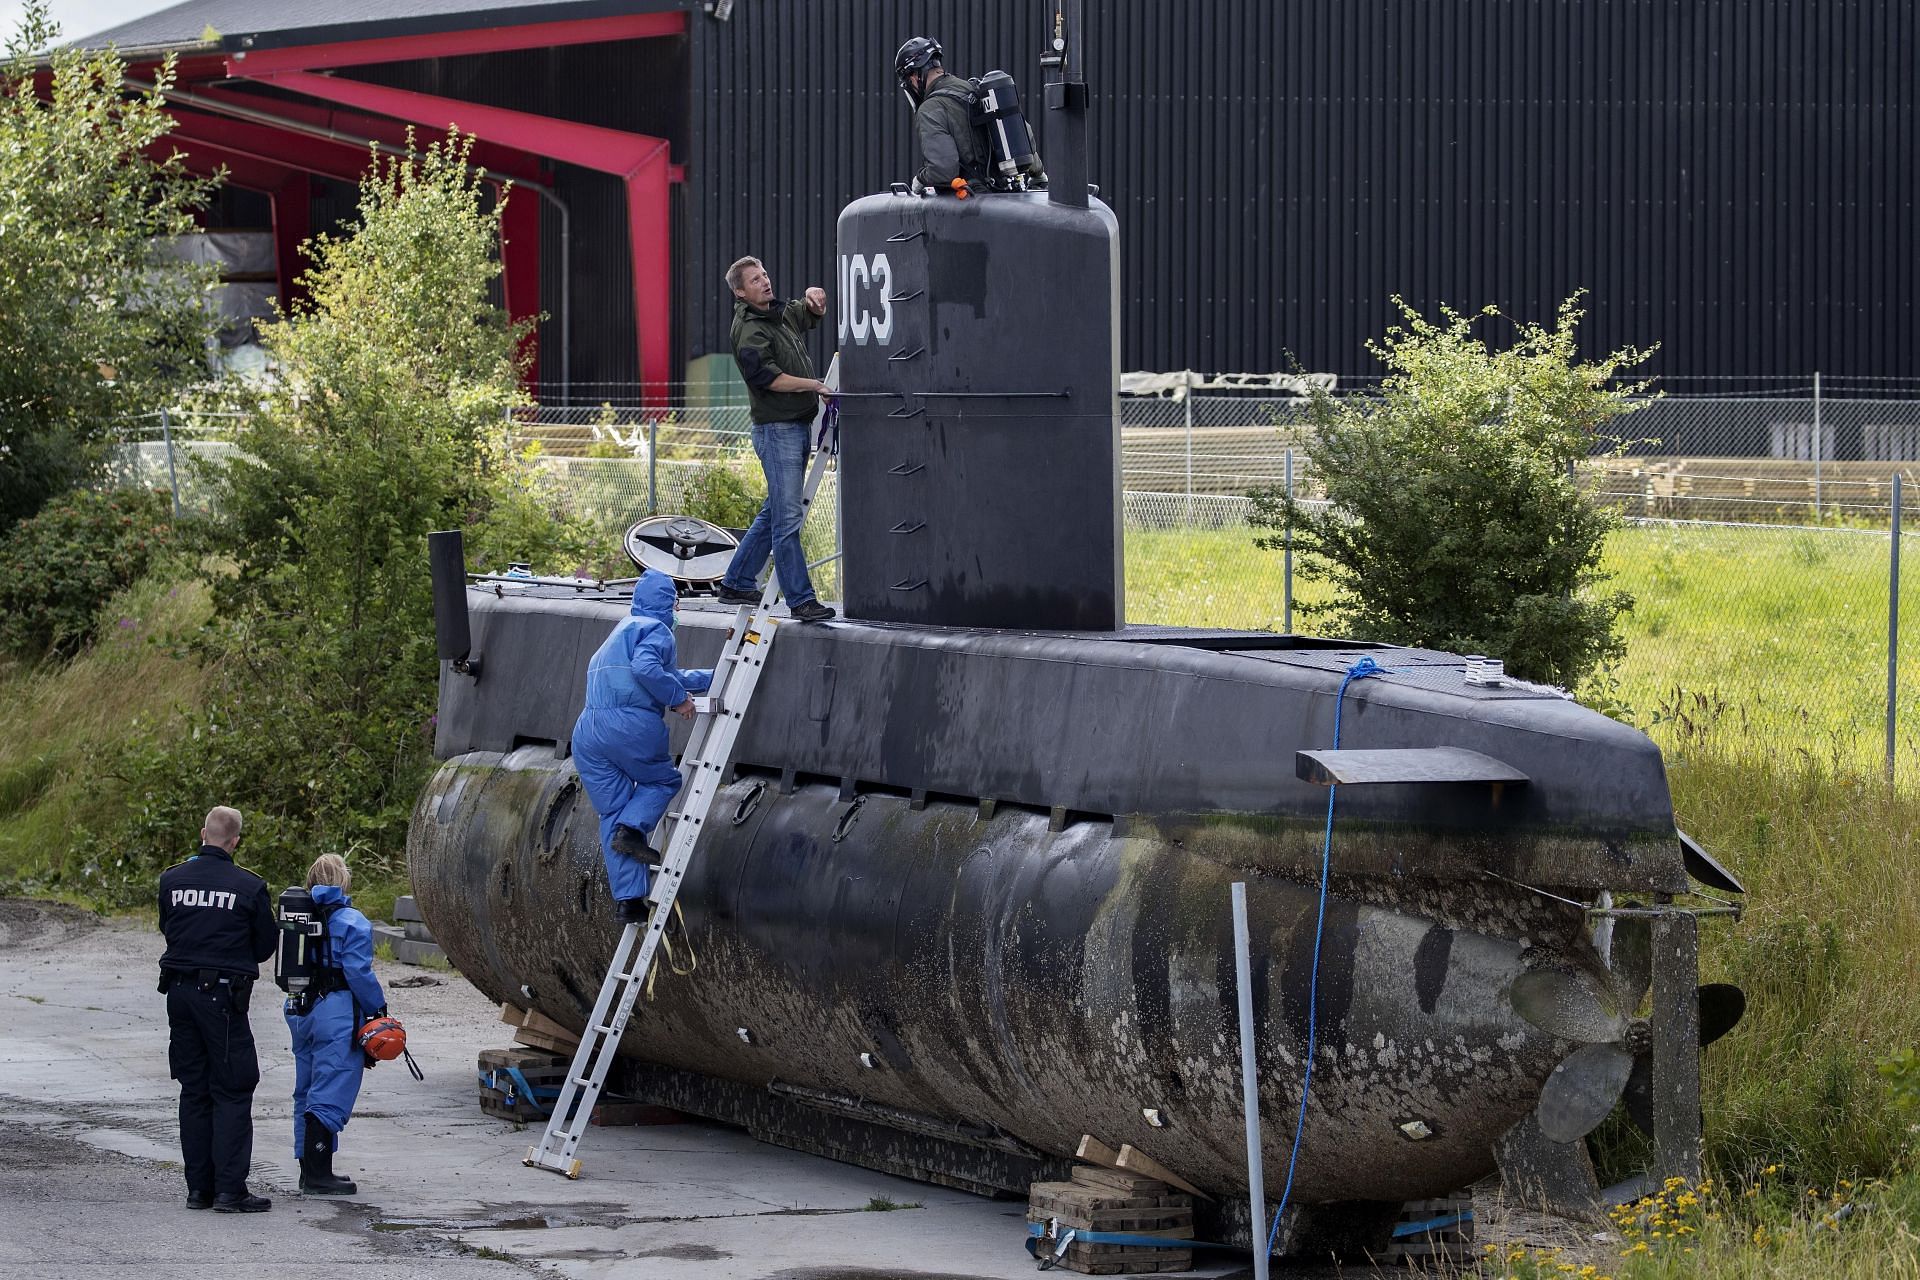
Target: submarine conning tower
[979,350]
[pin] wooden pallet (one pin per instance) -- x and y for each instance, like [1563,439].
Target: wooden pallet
[540,1069]
[1113,1200]
[536,1029]
[1453,1241]
[544,1070]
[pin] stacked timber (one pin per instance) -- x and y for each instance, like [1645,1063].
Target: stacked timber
[1430,1229]
[538,1031]
[543,1051]
[520,1084]
[1113,1201]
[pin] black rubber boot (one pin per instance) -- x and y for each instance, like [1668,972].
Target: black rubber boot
[316,1163]
[632,910]
[633,843]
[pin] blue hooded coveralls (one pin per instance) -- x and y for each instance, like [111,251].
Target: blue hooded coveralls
[327,1063]
[620,741]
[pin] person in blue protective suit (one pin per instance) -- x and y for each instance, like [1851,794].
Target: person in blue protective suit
[325,1022]
[620,741]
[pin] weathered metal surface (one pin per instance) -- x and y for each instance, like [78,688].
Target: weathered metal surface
[983,487]
[1676,1044]
[1109,727]
[1539,1173]
[1406,764]
[1033,983]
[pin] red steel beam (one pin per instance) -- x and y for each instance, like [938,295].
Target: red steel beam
[452,44]
[296,151]
[588,145]
[639,160]
[385,129]
[296,155]
[248,172]
[292,224]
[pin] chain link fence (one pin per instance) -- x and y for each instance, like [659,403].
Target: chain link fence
[1758,542]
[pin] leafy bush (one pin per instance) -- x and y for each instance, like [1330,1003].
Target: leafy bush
[58,568]
[728,494]
[97,322]
[390,420]
[1453,520]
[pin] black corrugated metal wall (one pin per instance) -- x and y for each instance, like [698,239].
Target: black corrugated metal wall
[1730,180]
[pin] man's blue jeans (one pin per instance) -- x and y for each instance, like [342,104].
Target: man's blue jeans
[782,447]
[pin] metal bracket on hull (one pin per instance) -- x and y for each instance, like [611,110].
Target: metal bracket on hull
[1403,765]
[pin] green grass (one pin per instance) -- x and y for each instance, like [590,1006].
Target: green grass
[60,725]
[1753,1226]
[1784,629]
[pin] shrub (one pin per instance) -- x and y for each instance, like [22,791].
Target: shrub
[390,420]
[728,494]
[1453,519]
[96,320]
[58,568]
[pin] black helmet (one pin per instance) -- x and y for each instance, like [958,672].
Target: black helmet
[915,56]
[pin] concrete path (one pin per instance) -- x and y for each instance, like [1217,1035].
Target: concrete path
[90,1179]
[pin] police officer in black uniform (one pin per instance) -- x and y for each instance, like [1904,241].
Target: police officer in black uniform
[219,926]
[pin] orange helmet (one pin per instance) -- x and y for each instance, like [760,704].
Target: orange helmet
[383,1038]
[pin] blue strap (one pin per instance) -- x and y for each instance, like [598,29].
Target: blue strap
[1037,1242]
[1360,670]
[829,426]
[542,1099]
[1406,1229]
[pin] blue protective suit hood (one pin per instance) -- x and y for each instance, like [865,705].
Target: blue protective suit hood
[329,895]
[654,596]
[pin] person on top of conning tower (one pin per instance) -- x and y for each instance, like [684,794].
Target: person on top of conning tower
[620,740]
[947,141]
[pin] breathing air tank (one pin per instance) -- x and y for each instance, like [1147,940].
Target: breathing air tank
[1014,158]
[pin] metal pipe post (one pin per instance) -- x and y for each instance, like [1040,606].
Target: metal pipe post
[173,476]
[1249,1089]
[1893,625]
[1286,590]
[1186,401]
[1816,444]
[653,466]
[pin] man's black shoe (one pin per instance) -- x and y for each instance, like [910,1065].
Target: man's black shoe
[727,595]
[632,842]
[199,1199]
[632,910]
[811,611]
[246,1202]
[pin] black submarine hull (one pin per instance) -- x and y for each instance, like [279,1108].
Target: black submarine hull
[1049,954]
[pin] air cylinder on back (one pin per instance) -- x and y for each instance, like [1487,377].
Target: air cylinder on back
[980,457]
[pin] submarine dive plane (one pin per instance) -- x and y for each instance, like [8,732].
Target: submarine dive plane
[964,897]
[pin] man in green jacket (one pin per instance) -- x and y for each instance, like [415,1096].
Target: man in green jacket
[769,345]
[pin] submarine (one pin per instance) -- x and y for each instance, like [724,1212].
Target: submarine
[963,898]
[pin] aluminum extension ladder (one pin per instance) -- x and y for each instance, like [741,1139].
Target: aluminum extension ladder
[703,765]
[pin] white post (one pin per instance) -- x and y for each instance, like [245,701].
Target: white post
[1186,402]
[1286,588]
[1249,1090]
[173,477]
[1816,445]
[1893,624]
